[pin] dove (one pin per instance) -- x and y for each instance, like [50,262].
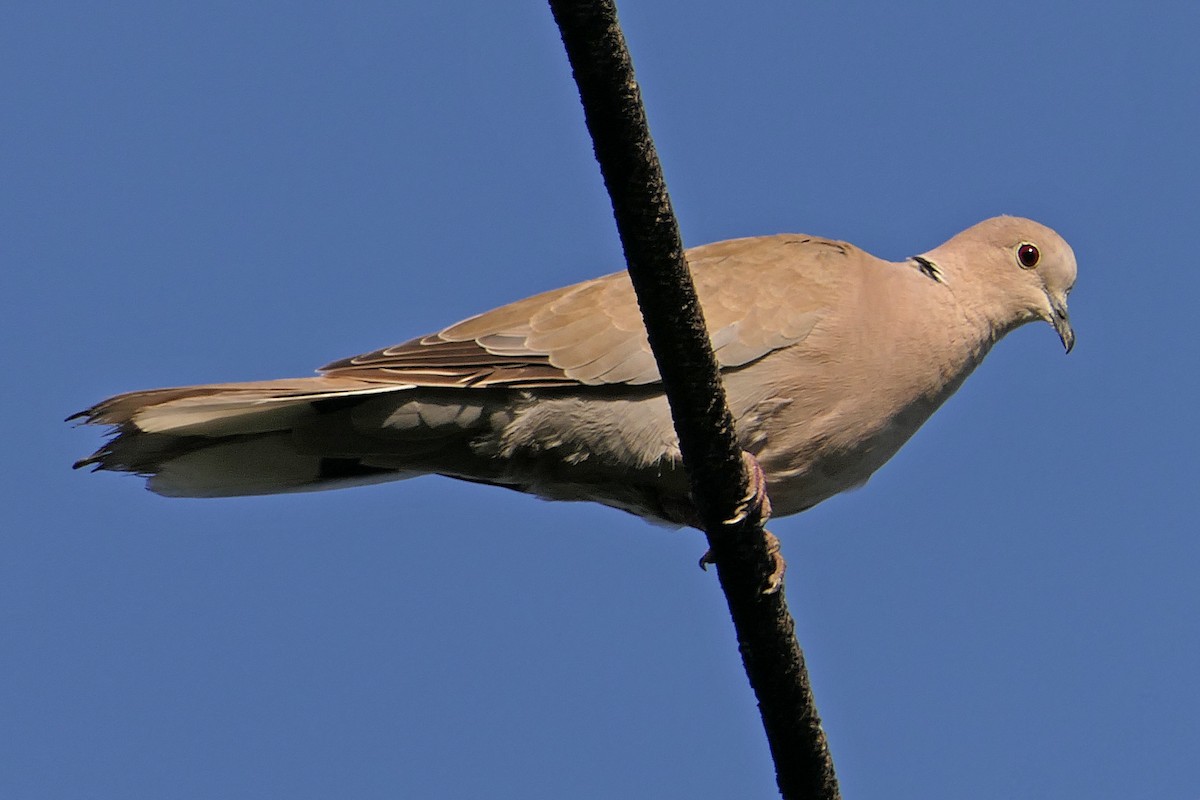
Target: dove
[831,358]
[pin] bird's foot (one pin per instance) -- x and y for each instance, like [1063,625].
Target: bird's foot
[756,504]
[778,565]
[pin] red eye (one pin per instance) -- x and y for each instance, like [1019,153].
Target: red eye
[1028,255]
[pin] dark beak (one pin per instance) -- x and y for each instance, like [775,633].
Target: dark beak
[1062,324]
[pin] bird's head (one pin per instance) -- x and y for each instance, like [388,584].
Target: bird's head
[1025,271]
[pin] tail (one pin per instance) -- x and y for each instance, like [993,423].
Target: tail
[266,437]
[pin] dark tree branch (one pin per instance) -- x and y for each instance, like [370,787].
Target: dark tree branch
[650,237]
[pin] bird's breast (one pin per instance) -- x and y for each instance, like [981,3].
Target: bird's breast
[831,423]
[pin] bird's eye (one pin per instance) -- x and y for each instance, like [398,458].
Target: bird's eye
[1028,255]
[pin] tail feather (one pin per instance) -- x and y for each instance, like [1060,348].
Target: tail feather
[255,465]
[239,438]
[201,409]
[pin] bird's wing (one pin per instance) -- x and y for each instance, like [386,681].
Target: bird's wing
[758,295]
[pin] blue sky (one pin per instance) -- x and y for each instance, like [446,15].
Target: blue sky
[221,191]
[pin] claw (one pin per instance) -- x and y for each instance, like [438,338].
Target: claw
[775,579]
[756,500]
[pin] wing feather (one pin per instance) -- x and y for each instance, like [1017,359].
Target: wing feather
[758,295]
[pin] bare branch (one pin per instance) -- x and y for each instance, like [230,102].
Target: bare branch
[653,250]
